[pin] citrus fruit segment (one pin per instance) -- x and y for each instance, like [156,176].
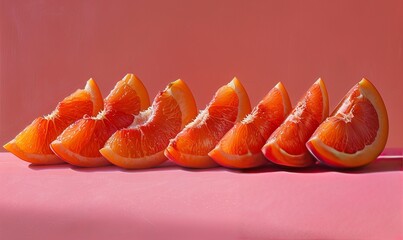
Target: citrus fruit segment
[241,146]
[191,146]
[79,144]
[286,146]
[32,144]
[356,132]
[142,144]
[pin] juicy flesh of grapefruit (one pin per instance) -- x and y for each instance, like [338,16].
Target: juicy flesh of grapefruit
[32,144]
[79,144]
[241,146]
[142,144]
[286,146]
[356,132]
[191,146]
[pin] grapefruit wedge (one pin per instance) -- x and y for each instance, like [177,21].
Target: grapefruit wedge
[286,146]
[79,144]
[241,146]
[142,144]
[191,146]
[32,144]
[356,132]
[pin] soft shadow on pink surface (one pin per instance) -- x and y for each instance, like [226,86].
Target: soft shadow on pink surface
[379,165]
[382,164]
[390,160]
[163,167]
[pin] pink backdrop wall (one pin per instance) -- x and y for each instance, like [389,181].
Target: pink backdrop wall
[50,48]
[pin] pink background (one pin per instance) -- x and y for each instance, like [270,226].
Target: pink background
[50,48]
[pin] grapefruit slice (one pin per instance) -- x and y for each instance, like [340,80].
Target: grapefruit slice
[191,146]
[241,146]
[79,144]
[286,146]
[32,144]
[142,144]
[356,132]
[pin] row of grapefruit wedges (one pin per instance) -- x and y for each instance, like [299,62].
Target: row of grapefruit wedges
[87,131]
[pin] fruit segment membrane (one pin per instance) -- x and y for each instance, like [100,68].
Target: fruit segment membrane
[32,144]
[356,132]
[191,146]
[80,143]
[206,130]
[150,131]
[241,146]
[302,122]
[142,144]
[286,146]
[353,125]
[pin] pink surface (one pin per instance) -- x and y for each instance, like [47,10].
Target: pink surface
[170,202]
[50,48]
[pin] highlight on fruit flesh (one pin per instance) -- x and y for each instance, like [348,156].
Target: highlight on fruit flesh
[286,146]
[79,144]
[241,146]
[32,144]
[142,144]
[356,133]
[191,146]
